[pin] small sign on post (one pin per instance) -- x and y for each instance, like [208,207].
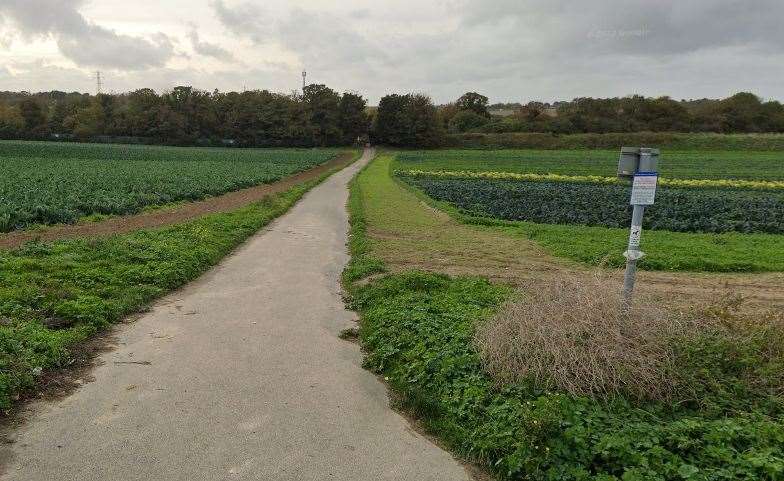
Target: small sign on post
[644,188]
[641,165]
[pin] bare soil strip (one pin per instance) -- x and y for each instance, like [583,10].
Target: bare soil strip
[170,215]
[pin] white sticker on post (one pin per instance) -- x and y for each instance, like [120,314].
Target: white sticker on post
[644,188]
[634,236]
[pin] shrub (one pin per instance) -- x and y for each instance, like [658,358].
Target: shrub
[573,335]
[466,120]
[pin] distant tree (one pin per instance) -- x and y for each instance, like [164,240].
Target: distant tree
[12,124]
[197,111]
[742,112]
[390,125]
[323,105]
[33,116]
[474,102]
[424,129]
[87,122]
[466,121]
[353,117]
[445,114]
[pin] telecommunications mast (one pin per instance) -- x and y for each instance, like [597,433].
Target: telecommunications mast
[98,83]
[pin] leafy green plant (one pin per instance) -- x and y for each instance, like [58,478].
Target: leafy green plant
[417,329]
[50,183]
[607,205]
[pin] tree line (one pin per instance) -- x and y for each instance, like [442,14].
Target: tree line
[319,116]
[741,113]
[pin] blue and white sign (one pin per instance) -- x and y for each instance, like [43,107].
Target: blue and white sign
[644,188]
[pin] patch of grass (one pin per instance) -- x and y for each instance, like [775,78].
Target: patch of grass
[362,263]
[404,232]
[418,328]
[54,295]
[686,164]
[665,251]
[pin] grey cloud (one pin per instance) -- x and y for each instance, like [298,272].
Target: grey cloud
[208,49]
[244,19]
[320,39]
[83,42]
[640,27]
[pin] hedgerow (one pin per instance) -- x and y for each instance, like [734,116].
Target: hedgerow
[607,205]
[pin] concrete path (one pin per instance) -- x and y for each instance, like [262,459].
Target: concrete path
[246,379]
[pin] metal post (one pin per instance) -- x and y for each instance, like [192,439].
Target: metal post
[633,253]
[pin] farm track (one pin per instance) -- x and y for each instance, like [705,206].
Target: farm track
[169,215]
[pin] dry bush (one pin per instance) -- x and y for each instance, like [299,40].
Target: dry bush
[573,335]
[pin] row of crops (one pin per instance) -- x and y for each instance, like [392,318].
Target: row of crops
[714,211]
[746,165]
[49,183]
[606,205]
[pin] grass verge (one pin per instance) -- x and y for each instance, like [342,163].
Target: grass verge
[418,330]
[54,295]
[665,251]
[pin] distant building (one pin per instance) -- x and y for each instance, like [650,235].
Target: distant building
[502,112]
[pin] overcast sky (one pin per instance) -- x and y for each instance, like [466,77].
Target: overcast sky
[510,50]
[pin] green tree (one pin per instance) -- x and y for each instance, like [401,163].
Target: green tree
[389,126]
[474,102]
[353,116]
[466,121]
[12,124]
[323,105]
[33,116]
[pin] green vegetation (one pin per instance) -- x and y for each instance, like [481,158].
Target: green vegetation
[749,165]
[362,262]
[595,179]
[316,117]
[666,140]
[676,209]
[665,251]
[54,295]
[48,183]
[418,331]
[742,112]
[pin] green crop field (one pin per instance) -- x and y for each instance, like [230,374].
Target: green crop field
[721,211]
[673,164]
[49,183]
[677,209]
